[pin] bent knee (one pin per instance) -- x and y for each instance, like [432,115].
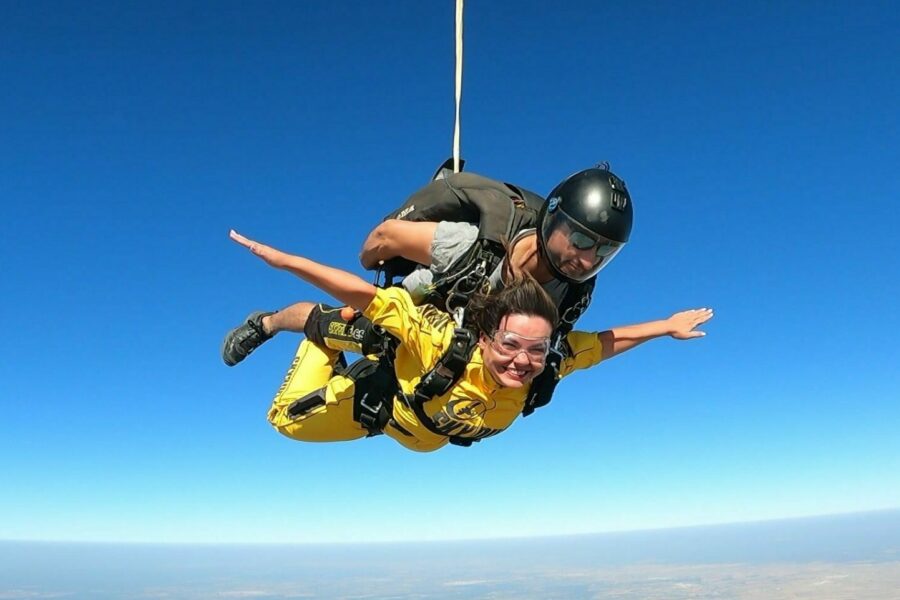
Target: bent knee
[285,411]
[312,418]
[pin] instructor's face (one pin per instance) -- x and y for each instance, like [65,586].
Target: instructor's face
[515,354]
[573,262]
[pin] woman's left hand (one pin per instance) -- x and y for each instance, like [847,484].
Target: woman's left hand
[683,323]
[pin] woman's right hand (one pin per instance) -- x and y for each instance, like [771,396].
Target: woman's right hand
[270,255]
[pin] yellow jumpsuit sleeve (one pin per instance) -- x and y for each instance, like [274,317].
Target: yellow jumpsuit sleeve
[587,351]
[422,330]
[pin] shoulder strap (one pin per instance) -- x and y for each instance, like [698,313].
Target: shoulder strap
[449,368]
[443,376]
[575,302]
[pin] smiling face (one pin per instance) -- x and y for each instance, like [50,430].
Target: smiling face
[515,354]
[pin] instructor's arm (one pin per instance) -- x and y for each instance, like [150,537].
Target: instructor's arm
[340,285]
[392,238]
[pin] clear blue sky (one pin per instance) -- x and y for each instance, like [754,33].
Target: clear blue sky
[760,144]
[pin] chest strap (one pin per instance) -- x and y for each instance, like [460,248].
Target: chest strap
[438,381]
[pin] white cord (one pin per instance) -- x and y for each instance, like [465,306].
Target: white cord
[459,57]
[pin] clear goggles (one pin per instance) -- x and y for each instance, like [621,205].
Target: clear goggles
[560,225]
[509,345]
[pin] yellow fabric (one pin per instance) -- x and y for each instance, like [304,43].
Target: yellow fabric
[311,372]
[476,407]
[587,351]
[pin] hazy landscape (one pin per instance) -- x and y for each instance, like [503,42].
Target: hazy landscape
[853,557]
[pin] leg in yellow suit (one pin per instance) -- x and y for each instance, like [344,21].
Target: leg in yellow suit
[313,404]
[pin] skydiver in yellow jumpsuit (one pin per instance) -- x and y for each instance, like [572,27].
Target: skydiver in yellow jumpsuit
[512,327]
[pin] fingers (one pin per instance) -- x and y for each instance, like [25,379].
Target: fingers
[245,242]
[696,315]
[687,334]
[704,314]
[253,246]
[700,316]
[687,321]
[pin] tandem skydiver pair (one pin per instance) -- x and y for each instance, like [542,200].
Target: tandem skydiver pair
[479,329]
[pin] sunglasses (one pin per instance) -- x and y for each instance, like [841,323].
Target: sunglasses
[509,345]
[583,241]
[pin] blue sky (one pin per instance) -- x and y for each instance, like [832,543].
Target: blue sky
[760,145]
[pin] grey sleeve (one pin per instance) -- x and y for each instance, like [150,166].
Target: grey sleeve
[418,283]
[451,241]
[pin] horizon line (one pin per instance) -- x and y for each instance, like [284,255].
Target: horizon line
[894,509]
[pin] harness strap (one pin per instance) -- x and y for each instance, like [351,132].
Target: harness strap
[449,368]
[373,405]
[374,389]
[426,421]
[468,276]
[544,385]
[438,381]
[575,302]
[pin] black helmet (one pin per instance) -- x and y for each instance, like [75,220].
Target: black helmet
[590,210]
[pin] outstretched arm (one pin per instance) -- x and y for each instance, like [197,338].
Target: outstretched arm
[341,285]
[395,238]
[681,326]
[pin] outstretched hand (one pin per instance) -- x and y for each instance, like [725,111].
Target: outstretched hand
[270,255]
[683,324]
[345,287]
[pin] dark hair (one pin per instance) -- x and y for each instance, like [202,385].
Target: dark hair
[521,295]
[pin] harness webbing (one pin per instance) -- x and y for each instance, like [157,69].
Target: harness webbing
[373,405]
[438,381]
[575,302]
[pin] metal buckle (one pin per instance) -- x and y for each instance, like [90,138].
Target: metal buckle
[372,409]
[576,310]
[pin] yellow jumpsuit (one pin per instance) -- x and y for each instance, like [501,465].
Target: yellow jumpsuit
[315,405]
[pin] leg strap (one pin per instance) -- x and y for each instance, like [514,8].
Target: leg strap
[373,397]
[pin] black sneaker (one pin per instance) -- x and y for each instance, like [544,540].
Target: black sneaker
[244,339]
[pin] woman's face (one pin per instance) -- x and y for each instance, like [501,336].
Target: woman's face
[515,353]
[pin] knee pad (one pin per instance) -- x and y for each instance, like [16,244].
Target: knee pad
[317,323]
[326,328]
